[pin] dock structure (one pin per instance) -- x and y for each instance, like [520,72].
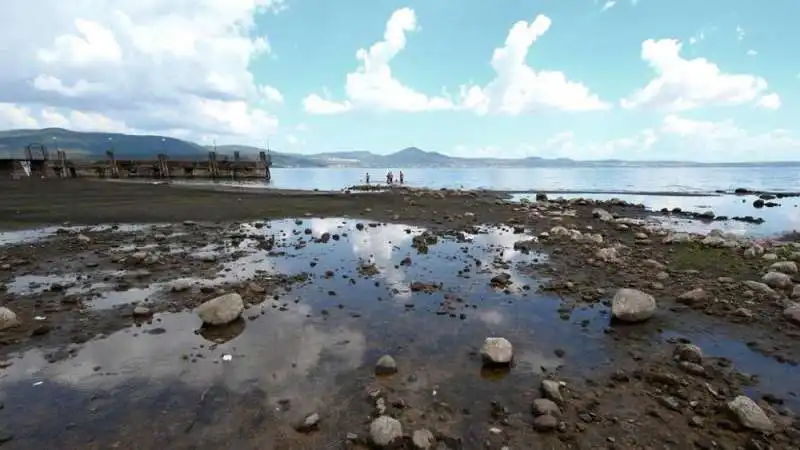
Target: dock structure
[35,162]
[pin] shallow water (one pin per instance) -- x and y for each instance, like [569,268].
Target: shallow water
[38,234]
[777,220]
[313,348]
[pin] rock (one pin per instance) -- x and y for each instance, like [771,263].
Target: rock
[221,310]
[386,365]
[497,350]
[769,257]
[796,291]
[607,254]
[713,241]
[543,406]
[787,267]
[84,239]
[750,415]
[792,313]
[142,311]
[602,214]
[384,430]
[777,280]
[695,295]
[552,390]
[180,285]
[631,305]
[689,352]
[310,423]
[760,287]
[545,423]
[677,238]
[8,318]
[423,439]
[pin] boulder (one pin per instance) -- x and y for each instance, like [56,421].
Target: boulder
[384,430]
[750,415]
[787,267]
[8,318]
[631,305]
[777,280]
[221,310]
[386,365]
[497,350]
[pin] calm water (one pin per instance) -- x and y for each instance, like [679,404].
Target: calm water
[693,179]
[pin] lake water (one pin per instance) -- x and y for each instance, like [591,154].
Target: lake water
[630,179]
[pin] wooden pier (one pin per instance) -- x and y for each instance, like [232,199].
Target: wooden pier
[36,162]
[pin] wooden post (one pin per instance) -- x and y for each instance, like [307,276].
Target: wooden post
[112,164]
[213,169]
[163,166]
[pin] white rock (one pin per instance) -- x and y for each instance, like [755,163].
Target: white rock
[221,310]
[607,254]
[384,430]
[84,238]
[423,439]
[142,311]
[386,365]
[8,319]
[760,287]
[750,414]
[602,214]
[713,241]
[180,285]
[754,251]
[695,295]
[631,305]
[777,280]
[769,257]
[497,350]
[788,267]
[677,238]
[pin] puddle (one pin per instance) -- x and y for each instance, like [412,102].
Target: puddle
[38,234]
[313,349]
[777,220]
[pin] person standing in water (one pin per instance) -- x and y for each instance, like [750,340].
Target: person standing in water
[402,178]
[367,178]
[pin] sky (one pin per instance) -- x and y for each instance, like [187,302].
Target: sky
[711,80]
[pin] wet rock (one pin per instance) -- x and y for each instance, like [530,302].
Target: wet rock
[384,430]
[552,390]
[543,406]
[713,241]
[221,310]
[692,368]
[545,423]
[8,318]
[82,238]
[792,313]
[541,197]
[787,267]
[497,350]
[631,305]
[777,280]
[689,352]
[180,285]
[386,365]
[501,280]
[142,311]
[750,415]
[695,295]
[423,439]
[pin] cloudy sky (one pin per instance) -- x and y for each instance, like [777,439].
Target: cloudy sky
[706,80]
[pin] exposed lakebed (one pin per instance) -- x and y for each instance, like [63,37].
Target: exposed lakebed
[350,292]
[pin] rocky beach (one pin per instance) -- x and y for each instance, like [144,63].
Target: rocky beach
[142,315]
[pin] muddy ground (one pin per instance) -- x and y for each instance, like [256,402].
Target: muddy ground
[645,399]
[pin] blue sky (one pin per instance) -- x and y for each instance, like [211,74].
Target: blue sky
[649,79]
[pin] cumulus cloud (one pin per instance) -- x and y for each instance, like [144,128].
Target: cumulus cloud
[516,88]
[178,67]
[685,84]
[608,5]
[372,85]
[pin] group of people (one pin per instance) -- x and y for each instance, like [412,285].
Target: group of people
[390,177]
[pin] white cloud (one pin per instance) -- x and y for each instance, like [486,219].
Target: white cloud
[684,84]
[752,52]
[518,88]
[178,67]
[740,34]
[608,5]
[372,85]
[675,138]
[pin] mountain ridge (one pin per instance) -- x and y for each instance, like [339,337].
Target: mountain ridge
[80,144]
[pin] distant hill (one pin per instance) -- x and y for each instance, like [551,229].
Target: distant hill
[94,145]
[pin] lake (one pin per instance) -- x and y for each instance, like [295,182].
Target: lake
[634,179]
